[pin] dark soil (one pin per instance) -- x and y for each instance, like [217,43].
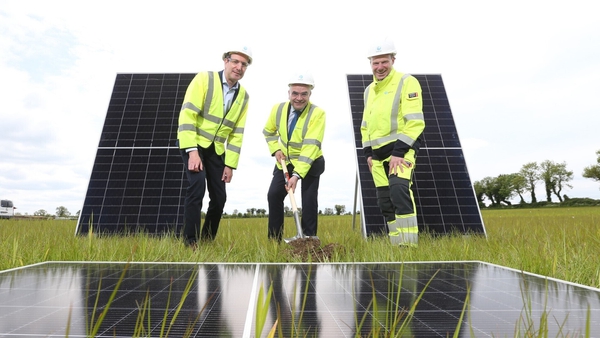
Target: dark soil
[309,249]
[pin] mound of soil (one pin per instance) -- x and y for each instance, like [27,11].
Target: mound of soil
[309,249]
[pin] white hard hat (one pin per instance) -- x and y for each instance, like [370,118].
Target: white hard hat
[304,78]
[241,49]
[383,47]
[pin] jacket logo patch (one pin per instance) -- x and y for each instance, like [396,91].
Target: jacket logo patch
[413,95]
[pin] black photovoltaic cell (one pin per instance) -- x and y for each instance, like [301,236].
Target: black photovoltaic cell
[312,300]
[444,195]
[137,181]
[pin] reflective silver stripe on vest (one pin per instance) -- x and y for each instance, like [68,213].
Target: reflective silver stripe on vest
[414,116]
[187,127]
[277,121]
[312,141]
[364,123]
[209,91]
[245,103]
[305,159]
[272,136]
[212,118]
[220,139]
[233,148]
[305,128]
[228,123]
[396,106]
[204,134]
[192,107]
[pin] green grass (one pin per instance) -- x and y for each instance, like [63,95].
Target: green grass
[556,242]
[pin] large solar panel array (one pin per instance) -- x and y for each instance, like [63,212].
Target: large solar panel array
[444,195]
[137,181]
[475,299]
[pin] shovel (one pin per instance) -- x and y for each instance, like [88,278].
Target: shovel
[299,235]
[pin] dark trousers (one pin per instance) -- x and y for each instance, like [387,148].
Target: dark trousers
[310,205]
[210,177]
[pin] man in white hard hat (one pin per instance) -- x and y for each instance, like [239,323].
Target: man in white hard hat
[210,134]
[391,135]
[294,132]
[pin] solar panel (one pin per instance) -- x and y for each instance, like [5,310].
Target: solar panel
[444,196]
[311,300]
[137,180]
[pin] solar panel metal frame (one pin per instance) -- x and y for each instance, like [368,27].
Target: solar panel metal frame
[137,181]
[444,195]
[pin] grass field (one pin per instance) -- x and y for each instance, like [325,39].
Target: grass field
[563,243]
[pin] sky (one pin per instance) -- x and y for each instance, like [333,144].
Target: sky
[522,78]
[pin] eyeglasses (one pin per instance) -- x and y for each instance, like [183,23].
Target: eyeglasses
[238,62]
[302,95]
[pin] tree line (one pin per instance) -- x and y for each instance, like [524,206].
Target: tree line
[554,176]
[338,209]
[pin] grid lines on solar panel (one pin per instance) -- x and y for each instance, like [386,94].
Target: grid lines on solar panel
[310,300]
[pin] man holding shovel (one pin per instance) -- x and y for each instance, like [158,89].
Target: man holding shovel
[294,133]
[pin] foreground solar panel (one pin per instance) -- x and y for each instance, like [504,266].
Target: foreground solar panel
[57,299]
[138,179]
[444,195]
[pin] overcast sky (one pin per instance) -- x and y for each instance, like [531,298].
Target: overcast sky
[522,78]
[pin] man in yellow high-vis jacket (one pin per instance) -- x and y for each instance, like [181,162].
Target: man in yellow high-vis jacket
[294,132]
[391,135]
[210,134]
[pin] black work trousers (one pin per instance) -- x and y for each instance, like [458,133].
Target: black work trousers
[310,205]
[213,165]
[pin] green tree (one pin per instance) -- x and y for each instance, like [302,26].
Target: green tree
[487,188]
[593,171]
[531,173]
[62,212]
[504,189]
[497,189]
[519,185]
[562,178]
[40,212]
[479,193]
[339,209]
[556,177]
[546,176]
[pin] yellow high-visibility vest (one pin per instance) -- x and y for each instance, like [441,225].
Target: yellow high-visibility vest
[393,111]
[202,120]
[304,145]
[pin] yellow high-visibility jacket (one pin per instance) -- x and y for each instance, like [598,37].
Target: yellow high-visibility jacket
[393,116]
[304,145]
[202,120]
